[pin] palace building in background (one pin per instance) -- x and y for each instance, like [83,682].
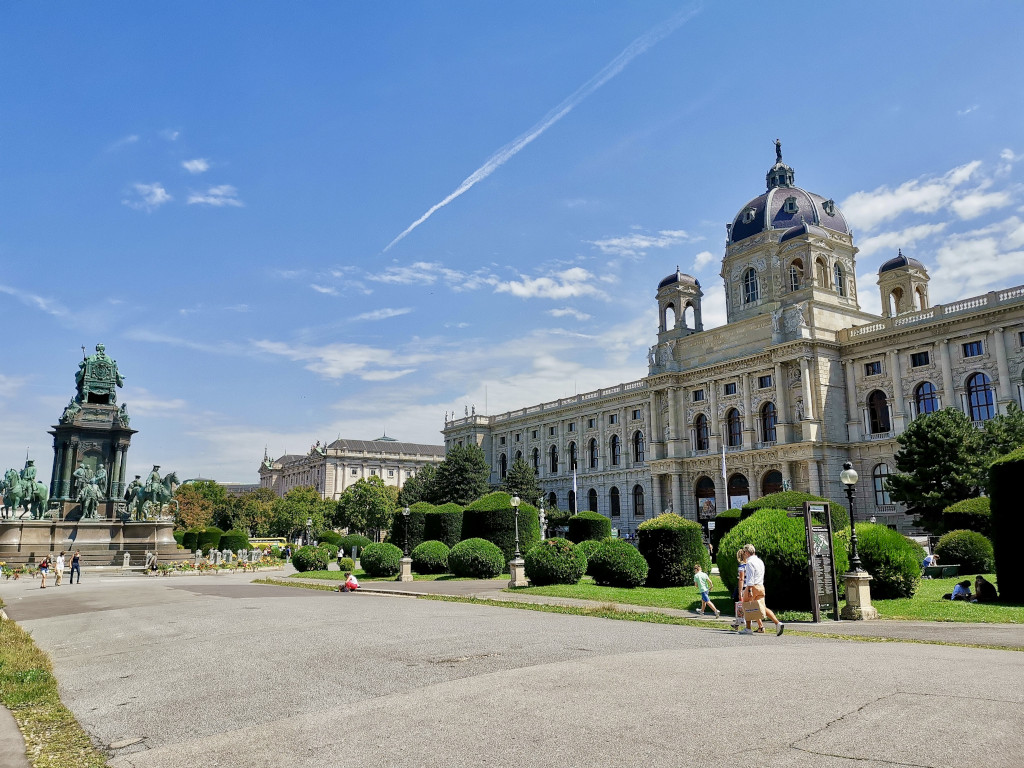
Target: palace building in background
[798,381]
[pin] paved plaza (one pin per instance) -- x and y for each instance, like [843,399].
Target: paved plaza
[216,671]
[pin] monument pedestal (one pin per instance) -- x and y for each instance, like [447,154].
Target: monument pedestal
[405,574]
[858,597]
[102,542]
[517,570]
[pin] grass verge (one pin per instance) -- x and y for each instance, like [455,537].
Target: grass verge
[53,738]
[363,576]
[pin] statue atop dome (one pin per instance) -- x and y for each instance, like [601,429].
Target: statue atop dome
[778,151]
[98,378]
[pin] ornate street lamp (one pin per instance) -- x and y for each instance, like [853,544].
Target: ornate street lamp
[848,477]
[515,509]
[405,514]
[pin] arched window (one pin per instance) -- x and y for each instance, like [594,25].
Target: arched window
[878,477]
[734,432]
[616,450]
[689,316]
[771,482]
[552,500]
[922,300]
[878,412]
[572,456]
[536,461]
[796,275]
[592,453]
[519,455]
[979,397]
[895,301]
[750,292]
[613,501]
[704,491]
[553,459]
[769,417]
[700,432]
[503,466]
[638,501]
[925,398]
[592,500]
[837,273]
[572,502]
[669,319]
[738,490]
[638,446]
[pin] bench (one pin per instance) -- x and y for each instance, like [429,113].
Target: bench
[941,571]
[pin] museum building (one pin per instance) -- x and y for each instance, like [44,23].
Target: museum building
[798,381]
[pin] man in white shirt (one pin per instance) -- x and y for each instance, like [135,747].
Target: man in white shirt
[60,569]
[753,587]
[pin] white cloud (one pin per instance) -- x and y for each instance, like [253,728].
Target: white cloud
[326,289]
[967,111]
[1009,156]
[974,204]
[702,259]
[142,402]
[567,284]
[569,312]
[169,134]
[892,241]
[383,314]
[148,197]
[430,272]
[336,361]
[197,165]
[637,245]
[124,141]
[218,196]
[43,304]
[979,260]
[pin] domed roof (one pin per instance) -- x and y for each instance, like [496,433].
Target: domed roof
[784,206]
[678,277]
[899,261]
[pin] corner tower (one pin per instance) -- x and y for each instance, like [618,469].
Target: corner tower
[903,283]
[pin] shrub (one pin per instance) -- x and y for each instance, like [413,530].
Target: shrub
[1007,522]
[893,560]
[309,559]
[346,564]
[276,551]
[179,537]
[330,549]
[443,523]
[234,540]
[617,563]
[381,559]
[972,551]
[969,515]
[784,499]
[430,557]
[724,522]
[781,542]
[190,539]
[413,524]
[588,548]
[555,561]
[476,558]
[491,518]
[356,540]
[672,546]
[330,537]
[209,538]
[589,525]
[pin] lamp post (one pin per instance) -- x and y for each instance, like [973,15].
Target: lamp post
[858,581]
[405,514]
[309,531]
[405,572]
[848,477]
[516,566]
[515,509]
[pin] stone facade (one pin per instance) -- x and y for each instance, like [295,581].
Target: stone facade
[332,468]
[798,381]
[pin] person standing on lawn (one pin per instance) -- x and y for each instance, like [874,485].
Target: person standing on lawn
[704,584]
[754,586]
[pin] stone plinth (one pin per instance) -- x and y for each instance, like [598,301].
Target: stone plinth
[405,574]
[102,542]
[858,597]
[517,569]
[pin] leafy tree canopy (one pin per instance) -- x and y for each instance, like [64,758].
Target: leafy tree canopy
[1004,433]
[367,506]
[194,509]
[288,515]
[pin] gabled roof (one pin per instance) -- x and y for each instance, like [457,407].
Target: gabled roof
[386,446]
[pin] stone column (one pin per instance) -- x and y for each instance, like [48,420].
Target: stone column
[900,409]
[677,493]
[602,445]
[673,423]
[115,474]
[812,478]
[654,433]
[853,416]
[58,460]
[805,382]
[657,503]
[715,434]
[748,417]
[787,476]
[782,405]
[70,456]
[124,469]
[1004,396]
[948,394]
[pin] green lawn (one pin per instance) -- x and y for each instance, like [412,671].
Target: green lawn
[363,576]
[685,598]
[927,605]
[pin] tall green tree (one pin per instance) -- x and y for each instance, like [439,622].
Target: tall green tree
[367,506]
[253,511]
[521,481]
[941,461]
[1004,433]
[419,487]
[217,496]
[290,513]
[193,509]
[462,477]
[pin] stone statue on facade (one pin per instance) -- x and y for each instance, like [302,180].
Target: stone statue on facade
[776,320]
[122,416]
[651,356]
[99,479]
[97,378]
[25,492]
[71,411]
[82,476]
[155,493]
[132,491]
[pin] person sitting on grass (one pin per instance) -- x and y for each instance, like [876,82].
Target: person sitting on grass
[351,583]
[703,583]
[961,591]
[984,590]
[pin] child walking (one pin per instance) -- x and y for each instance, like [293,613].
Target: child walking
[703,582]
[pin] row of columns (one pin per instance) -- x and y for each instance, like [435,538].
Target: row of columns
[67,455]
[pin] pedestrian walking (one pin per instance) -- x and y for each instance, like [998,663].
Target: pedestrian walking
[704,583]
[76,566]
[755,594]
[44,568]
[58,570]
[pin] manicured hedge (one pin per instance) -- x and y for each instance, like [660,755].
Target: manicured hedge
[555,561]
[330,549]
[588,548]
[785,499]
[209,538]
[491,518]
[672,546]
[179,537]
[330,537]
[476,559]
[968,549]
[1007,521]
[190,538]
[893,560]
[356,540]
[617,563]
[969,515]
[724,522]
[430,557]
[443,523]
[309,559]
[589,525]
[413,523]
[346,564]
[781,542]
[381,559]
[234,540]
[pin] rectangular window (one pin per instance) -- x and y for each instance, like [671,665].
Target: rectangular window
[354,471]
[534,434]
[973,349]
[874,368]
[613,418]
[518,435]
[591,423]
[551,431]
[1020,338]
[636,414]
[698,395]
[763,382]
[572,426]
[373,471]
[502,439]
[917,359]
[391,473]
[730,388]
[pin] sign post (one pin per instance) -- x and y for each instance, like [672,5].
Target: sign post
[821,569]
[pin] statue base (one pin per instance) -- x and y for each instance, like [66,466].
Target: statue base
[517,570]
[102,542]
[858,597]
[405,574]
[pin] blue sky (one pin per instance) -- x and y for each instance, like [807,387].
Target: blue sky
[219,192]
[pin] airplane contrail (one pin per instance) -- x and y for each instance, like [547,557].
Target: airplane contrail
[507,152]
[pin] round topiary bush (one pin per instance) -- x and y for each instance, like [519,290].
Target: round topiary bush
[672,546]
[617,563]
[589,525]
[724,522]
[309,559]
[234,540]
[346,564]
[781,542]
[209,538]
[969,515]
[893,560]
[413,524]
[589,547]
[555,561]
[330,549]
[491,517]
[330,537]
[381,559]
[190,539]
[785,499]
[477,559]
[444,524]
[179,537]
[430,557]
[356,540]
[968,549]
